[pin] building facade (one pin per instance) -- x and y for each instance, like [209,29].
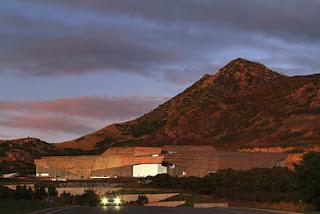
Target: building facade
[150,161]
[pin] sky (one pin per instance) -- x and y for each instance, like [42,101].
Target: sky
[70,67]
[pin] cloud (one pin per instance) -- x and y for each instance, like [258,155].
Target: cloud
[170,41]
[46,123]
[72,116]
[94,107]
[68,37]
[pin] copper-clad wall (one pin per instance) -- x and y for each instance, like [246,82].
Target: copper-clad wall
[196,160]
[199,161]
[125,171]
[113,162]
[119,157]
[143,151]
[249,160]
[180,160]
[74,166]
[115,157]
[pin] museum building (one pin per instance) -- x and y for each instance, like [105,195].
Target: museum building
[150,161]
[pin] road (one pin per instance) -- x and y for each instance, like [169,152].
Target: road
[152,210]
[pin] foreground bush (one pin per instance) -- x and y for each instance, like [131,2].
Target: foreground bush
[89,197]
[142,199]
[308,174]
[259,185]
[40,192]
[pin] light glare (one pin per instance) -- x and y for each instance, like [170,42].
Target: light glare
[104,201]
[117,201]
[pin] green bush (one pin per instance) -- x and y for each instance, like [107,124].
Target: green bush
[52,191]
[6,193]
[142,199]
[22,192]
[39,192]
[308,174]
[273,185]
[89,197]
[66,198]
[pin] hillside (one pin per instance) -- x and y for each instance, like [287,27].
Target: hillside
[17,155]
[244,105]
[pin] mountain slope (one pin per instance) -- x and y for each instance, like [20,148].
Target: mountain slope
[243,105]
[17,155]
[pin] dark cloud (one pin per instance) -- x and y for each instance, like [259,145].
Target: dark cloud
[290,18]
[166,39]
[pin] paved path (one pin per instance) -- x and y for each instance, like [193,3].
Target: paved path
[152,210]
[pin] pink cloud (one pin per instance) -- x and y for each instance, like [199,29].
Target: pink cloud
[46,123]
[71,116]
[89,106]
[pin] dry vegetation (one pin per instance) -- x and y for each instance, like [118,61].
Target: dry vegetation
[244,105]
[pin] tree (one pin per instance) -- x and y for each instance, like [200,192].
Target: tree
[22,192]
[6,193]
[308,174]
[92,198]
[39,192]
[66,198]
[89,197]
[142,199]
[52,191]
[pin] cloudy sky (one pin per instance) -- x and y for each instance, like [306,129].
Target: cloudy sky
[69,67]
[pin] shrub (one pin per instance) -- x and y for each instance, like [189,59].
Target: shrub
[6,193]
[308,174]
[142,199]
[52,191]
[277,184]
[39,192]
[22,192]
[66,198]
[89,197]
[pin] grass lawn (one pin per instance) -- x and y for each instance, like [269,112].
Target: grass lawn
[21,206]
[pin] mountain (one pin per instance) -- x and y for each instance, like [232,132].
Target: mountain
[244,105]
[17,155]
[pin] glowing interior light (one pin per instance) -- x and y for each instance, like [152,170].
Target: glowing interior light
[104,201]
[117,201]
